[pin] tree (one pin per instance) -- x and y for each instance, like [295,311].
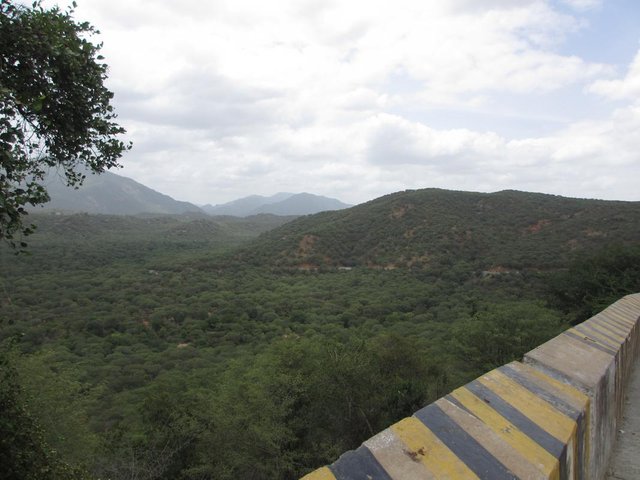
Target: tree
[55,111]
[594,281]
[24,453]
[501,332]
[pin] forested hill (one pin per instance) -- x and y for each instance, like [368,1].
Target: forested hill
[431,227]
[191,227]
[83,237]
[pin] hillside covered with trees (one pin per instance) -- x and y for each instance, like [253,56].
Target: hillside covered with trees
[424,229]
[190,347]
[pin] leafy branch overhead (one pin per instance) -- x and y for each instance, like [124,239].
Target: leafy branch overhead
[55,111]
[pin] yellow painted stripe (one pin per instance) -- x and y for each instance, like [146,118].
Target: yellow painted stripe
[530,405]
[426,448]
[537,455]
[321,474]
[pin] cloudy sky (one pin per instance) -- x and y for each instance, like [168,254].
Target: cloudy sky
[355,99]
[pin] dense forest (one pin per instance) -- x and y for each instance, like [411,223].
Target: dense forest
[195,347]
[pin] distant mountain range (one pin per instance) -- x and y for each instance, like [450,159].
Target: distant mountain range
[278,204]
[113,194]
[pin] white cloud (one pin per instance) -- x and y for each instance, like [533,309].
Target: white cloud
[621,89]
[583,4]
[232,97]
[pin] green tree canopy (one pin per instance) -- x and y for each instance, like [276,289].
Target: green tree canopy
[594,281]
[55,111]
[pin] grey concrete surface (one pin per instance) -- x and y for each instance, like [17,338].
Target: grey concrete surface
[625,461]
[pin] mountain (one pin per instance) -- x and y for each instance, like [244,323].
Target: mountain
[111,194]
[245,206]
[278,204]
[431,228]
[302,204]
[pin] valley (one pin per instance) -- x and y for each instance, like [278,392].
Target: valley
[190,346]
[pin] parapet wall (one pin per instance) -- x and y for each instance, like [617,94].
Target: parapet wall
[552,416]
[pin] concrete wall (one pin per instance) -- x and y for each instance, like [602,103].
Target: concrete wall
[552,416]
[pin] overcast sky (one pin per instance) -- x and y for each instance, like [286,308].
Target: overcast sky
[355,99]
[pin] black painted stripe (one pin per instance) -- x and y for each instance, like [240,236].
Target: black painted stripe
[358,464]
[463,445]
[591,333]
[591,344]
[559,404]
[527,426]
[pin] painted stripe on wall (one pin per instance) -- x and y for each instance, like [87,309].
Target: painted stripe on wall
[463,445]
[396,458]
[598,337]
[623,304]
[539,411]
[578,396]
[613,335]
[619,321]
[425,447]
[560,403]
[543,438]
[320,474]
[590,342]
[358,464]
[509,432]
[495,445]
[571,402]
[619,315]
[611,325]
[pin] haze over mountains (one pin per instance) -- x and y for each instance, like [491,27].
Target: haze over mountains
[278,204]
[113,194]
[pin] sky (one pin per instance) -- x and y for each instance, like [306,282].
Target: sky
[355,99]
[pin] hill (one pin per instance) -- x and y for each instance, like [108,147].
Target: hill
[278,204]
[55,228]
[495,232]
[110,194]
[243,207]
